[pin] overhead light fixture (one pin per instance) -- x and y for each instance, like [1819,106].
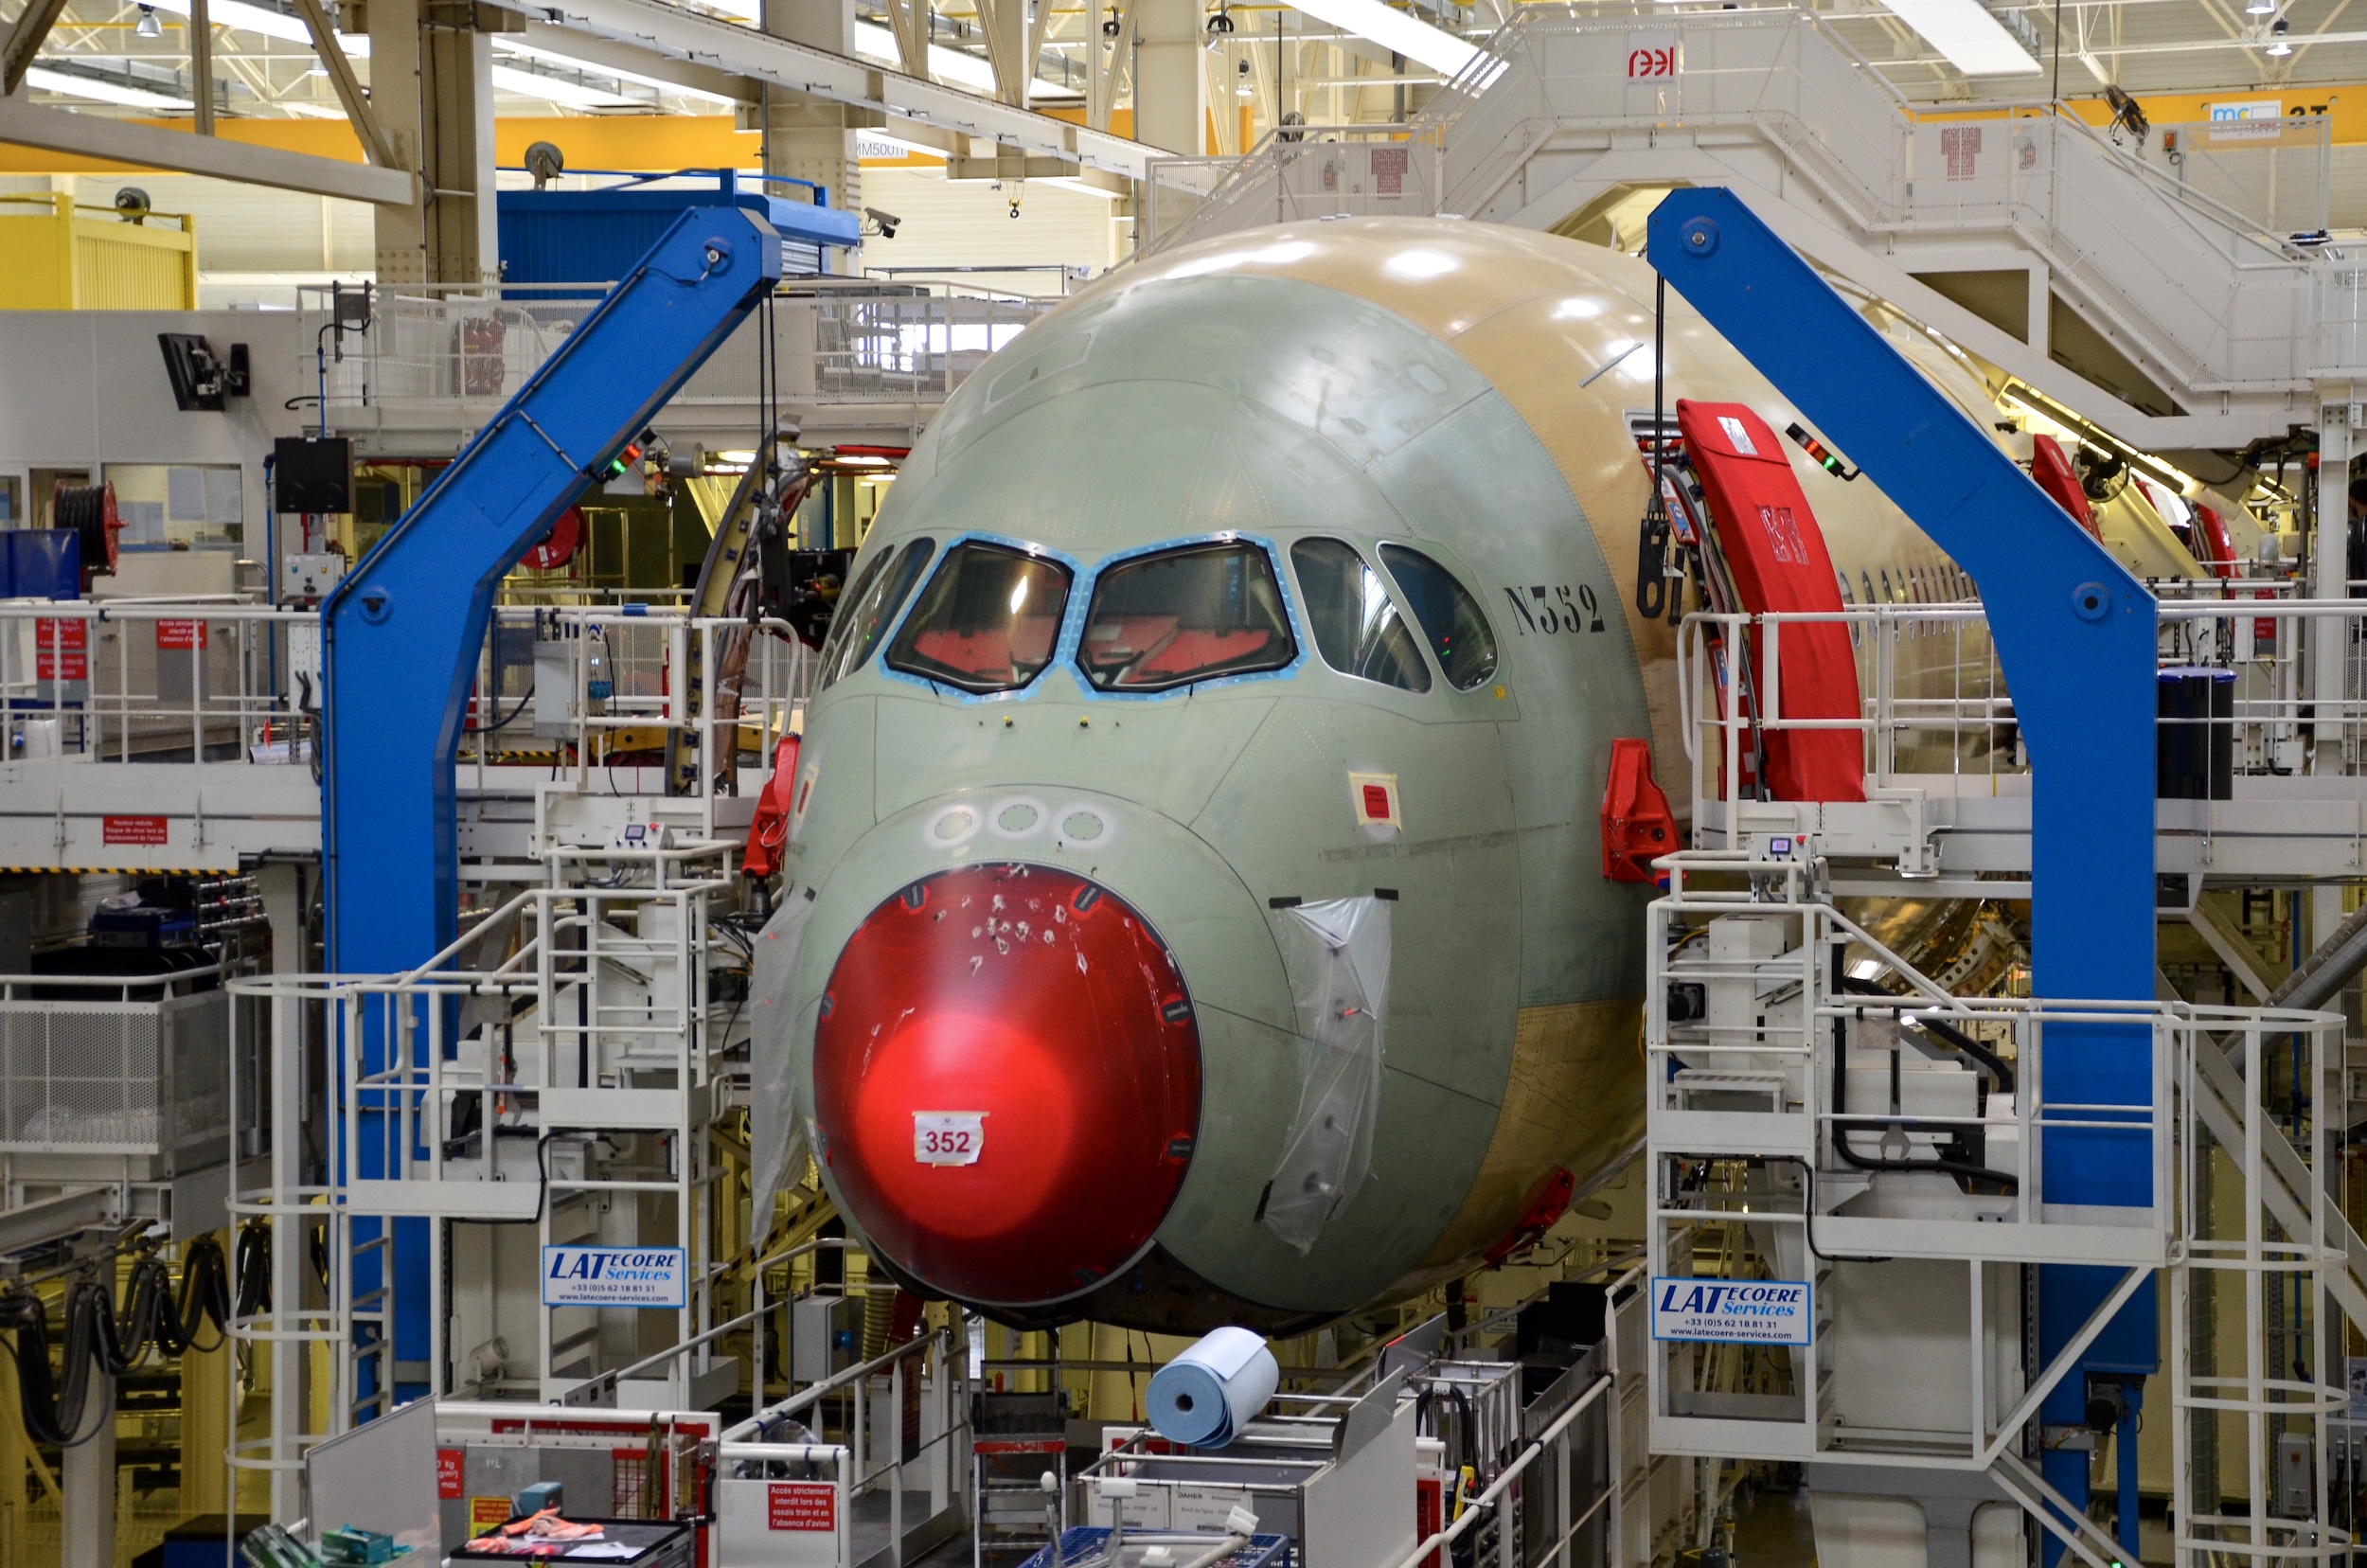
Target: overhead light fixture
[1440,50]
[149,26]
[2278,47]
[2260,7]
[1966,36]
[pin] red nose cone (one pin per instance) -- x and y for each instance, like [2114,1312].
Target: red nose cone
[1006,1074]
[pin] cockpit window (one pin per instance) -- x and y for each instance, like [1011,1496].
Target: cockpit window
[1197,614]
[1458,631]
[988,621]
[1355,623]
[869,607]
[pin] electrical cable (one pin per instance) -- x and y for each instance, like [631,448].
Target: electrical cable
[96,1335]
[506,721]
[1998,1068]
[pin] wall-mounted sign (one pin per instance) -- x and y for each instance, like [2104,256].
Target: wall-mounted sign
[614,1277]
[1750,1311]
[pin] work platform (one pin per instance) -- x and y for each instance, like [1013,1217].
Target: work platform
[857,359]
[1948,807]
[176,736]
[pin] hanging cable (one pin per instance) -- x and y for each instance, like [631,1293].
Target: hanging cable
[1652,555]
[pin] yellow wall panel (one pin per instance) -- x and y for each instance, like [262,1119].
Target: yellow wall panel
[53,258]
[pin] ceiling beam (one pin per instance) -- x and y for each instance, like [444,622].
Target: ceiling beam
[821,74]
[151,147]
[595,50]
[24,41]
[376,145]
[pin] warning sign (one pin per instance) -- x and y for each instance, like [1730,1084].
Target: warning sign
[487,1514]
[448,1462]
[151,830]
[180,636]
[801,1505]
[61,650]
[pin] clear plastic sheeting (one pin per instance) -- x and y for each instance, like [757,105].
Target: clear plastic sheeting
[775,1137]
[1338,956]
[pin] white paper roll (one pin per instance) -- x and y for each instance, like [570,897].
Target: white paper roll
[1207,1395]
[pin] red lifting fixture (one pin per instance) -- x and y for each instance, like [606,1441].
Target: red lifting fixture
[2054,473]
[770,829]
[1637,825]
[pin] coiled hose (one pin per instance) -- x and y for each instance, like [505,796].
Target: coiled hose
[53,1403]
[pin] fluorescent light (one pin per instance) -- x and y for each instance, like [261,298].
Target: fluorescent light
[101,92]
[946,64]
[527,85]
[1394,30]
[1967,36]
[535,51]
[271,24]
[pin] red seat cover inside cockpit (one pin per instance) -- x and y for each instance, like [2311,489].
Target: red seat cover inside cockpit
[1775,553]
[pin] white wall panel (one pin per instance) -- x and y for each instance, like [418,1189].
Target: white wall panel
[967,222]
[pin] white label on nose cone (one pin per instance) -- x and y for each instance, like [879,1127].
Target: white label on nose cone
[949,1137]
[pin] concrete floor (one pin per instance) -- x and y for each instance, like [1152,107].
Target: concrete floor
[1771,1530]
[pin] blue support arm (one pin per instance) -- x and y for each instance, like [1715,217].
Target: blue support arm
[2075,634]
[401,636]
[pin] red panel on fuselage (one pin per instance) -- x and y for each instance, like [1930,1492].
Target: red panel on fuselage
[1775,553]
[2055,475]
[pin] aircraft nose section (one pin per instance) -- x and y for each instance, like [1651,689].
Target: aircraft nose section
[1007,1080]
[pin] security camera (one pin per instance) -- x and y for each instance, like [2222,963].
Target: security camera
[887,222]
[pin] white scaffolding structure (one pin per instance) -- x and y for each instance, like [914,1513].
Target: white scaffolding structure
[560,1059]
[1754,1040]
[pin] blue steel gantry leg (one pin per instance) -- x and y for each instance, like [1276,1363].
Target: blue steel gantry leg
[2074,635]
[402,634]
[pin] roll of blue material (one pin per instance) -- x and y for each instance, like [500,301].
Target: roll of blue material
[1210,1393]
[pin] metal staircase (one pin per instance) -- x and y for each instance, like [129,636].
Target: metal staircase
[2235,322]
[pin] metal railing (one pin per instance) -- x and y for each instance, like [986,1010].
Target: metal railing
[458,352]
[114,1066]
[932,1368]
[1933,705]
[146,680]
[1294,174]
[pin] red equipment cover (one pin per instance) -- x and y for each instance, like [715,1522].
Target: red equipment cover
[1775,553]
[1638,827]
[770,829]
[2055,474]
[2218,549]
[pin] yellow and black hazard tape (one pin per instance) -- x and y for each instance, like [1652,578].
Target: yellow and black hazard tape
[116,870]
